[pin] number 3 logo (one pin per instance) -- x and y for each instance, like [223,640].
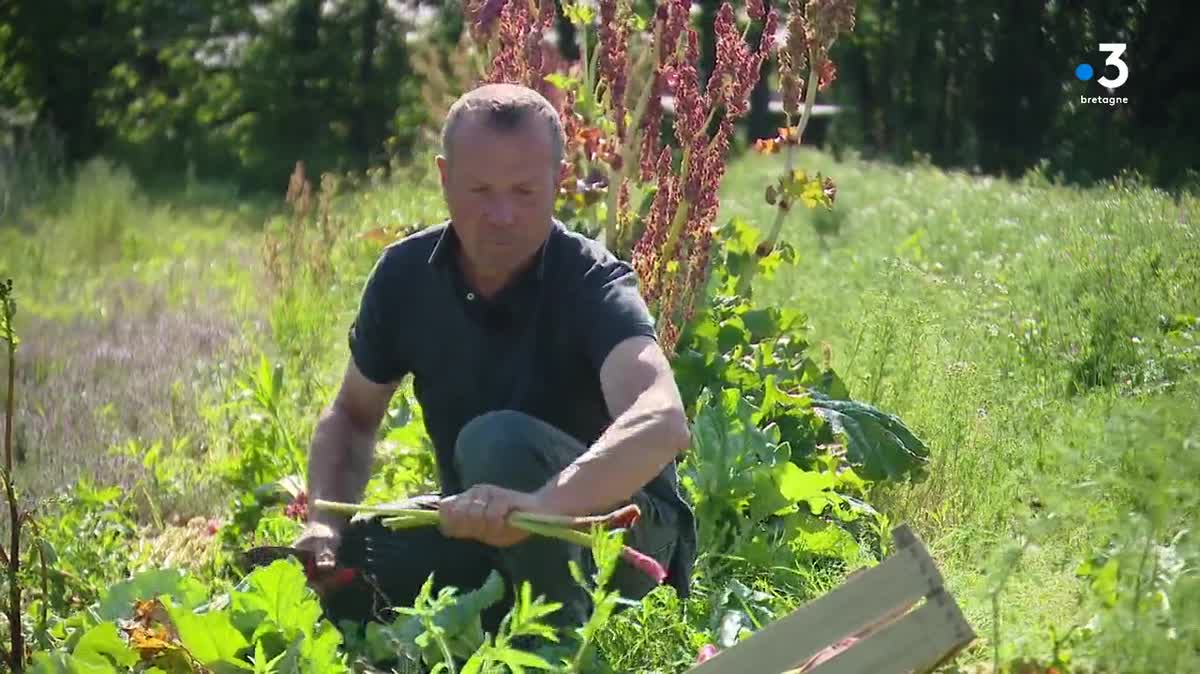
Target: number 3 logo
[1115,50]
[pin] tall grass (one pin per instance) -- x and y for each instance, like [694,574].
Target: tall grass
[129,303]
[1008,322]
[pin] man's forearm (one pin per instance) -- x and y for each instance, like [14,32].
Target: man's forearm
[339,464]
[635,448]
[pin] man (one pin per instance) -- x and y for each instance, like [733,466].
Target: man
[535,362]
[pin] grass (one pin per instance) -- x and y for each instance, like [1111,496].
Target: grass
[1007,323]
[1035,336]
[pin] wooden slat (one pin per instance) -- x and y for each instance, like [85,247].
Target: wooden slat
[918,642]
[903,578]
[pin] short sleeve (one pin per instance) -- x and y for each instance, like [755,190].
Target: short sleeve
[374,335]
[612,310]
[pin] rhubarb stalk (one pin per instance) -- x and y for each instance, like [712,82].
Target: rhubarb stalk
[565,528]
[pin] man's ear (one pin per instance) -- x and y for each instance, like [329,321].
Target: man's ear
[442,167]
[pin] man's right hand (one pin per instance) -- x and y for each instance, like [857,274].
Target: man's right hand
[322,541]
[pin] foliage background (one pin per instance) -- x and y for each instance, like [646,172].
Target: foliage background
[239,92]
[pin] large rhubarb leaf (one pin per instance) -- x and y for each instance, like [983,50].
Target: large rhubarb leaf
[277,599]
[878,444]
[119,603]
[102,646]
[211,638]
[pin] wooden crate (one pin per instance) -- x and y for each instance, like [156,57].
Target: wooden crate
[900,616]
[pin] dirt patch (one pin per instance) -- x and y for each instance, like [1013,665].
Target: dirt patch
[133,371]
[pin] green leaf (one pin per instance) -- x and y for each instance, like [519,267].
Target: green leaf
[464,613]
[727,447]
[563,82]
[210,637]
[804,486]
[517,659]
[813,194]
[103,646]
[732,334]
[780,254]
[813,536]
[762,324]
[63,663]
[578,14]
[262,664]
[833,386]
[277,599]
[48,553]
[740,236]
[1105,583]
[879,445]
[767,500]
[186,591]
[458,620]
[316,655]
[777,403]
[277,530]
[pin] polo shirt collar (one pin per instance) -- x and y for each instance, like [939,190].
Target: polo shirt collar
[443,250]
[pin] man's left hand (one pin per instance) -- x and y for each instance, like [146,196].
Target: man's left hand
[481,513]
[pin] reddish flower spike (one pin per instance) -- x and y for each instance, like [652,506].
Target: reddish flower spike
[297,509]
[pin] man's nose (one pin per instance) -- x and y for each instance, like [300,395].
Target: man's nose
[503,211]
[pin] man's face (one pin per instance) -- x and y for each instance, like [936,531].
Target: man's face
[500,189]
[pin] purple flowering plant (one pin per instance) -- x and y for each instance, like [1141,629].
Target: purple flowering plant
[613,107]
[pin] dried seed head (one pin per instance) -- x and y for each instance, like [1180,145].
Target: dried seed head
[613,66]
[827,20]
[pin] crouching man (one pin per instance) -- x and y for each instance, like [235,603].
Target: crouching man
[543,389]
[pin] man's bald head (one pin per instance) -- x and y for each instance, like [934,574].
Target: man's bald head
[505,108]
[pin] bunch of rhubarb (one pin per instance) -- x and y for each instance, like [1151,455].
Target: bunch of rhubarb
[565,528]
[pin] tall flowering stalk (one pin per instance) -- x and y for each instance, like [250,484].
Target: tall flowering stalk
[672,254]
[512,37]
[612,106]
[812,28]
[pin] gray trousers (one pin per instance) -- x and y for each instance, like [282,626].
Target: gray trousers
[512,450]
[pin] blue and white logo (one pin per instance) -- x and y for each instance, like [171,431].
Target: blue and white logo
[1084,72]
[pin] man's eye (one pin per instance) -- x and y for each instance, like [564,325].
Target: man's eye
[479,190]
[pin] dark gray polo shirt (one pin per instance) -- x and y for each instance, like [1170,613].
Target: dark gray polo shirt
[537,347]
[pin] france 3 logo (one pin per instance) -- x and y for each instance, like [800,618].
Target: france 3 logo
[1084,72]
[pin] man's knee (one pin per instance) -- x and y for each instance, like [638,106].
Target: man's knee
[498,448]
